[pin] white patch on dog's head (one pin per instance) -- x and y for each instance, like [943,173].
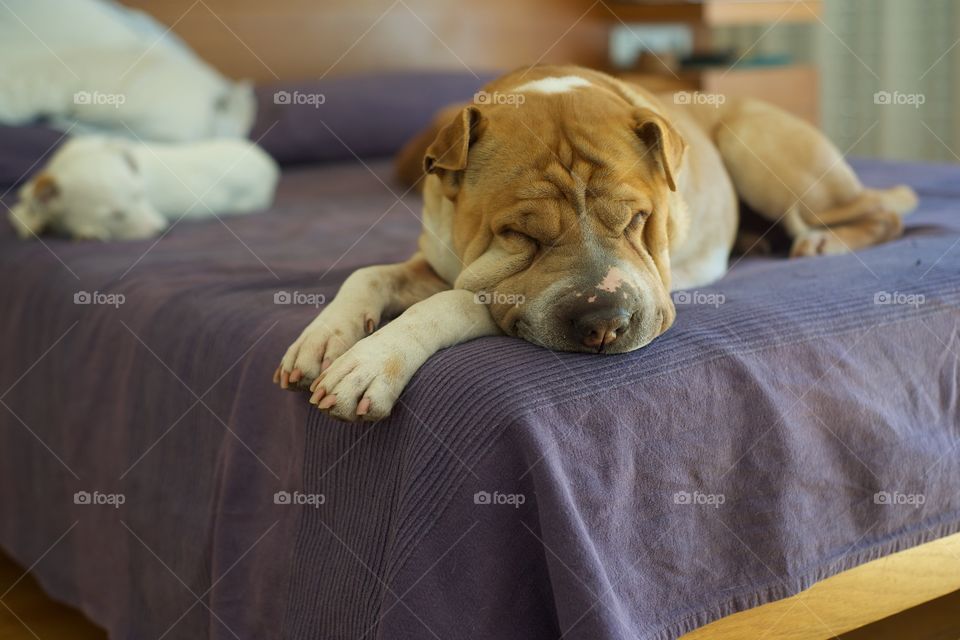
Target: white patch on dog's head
[91,189]
[562,84]
[613,280]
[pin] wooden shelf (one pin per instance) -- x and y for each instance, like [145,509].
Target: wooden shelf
[718,12]
[794,87]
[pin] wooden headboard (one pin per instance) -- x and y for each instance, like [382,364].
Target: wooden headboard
[269,40]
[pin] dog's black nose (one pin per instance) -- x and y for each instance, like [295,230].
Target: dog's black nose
[599,328]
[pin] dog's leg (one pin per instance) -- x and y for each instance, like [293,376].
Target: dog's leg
[866,231]
[367,296]
[366,381]
[788,172]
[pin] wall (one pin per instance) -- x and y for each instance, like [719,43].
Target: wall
[270,40]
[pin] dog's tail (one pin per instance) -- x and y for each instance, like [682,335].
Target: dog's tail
[900,200]
[408,164]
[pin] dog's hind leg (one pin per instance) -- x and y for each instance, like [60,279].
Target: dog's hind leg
[366,297]
[789,173]
[866,231]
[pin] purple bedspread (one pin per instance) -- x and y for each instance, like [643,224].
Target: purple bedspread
[800,418]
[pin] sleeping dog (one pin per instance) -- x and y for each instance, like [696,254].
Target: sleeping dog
[563,210]
[99,188]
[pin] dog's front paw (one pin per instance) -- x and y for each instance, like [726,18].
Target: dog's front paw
[366,381]
[329,336]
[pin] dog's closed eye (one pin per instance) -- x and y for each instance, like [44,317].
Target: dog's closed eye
[519,236]
[638,218]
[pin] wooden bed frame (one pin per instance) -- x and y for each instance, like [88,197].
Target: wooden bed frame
[852,599]
[303,39]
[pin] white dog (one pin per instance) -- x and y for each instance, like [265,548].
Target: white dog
[101,188]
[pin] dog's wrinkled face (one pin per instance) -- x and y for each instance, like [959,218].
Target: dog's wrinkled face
[90,191]
[561,215]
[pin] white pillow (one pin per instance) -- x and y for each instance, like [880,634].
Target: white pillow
[99,67]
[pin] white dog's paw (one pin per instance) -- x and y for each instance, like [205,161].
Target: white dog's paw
[365,383]
[329,336]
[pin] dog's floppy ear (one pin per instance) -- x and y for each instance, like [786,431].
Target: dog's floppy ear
[663,141]
[447,156]
[45,188]
[666,148]
[29,217]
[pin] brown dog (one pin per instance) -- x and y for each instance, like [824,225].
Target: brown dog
[562,207]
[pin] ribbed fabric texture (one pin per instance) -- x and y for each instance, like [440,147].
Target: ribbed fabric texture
[797,400]
[499,405]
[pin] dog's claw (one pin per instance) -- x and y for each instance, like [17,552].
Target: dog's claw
[327,402]
[321,343]
[363,407]
[276,376]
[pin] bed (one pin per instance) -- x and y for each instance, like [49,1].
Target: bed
[800,419]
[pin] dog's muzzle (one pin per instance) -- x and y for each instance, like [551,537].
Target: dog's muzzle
[596,322]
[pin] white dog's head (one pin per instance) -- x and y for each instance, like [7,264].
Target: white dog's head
[92,189]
